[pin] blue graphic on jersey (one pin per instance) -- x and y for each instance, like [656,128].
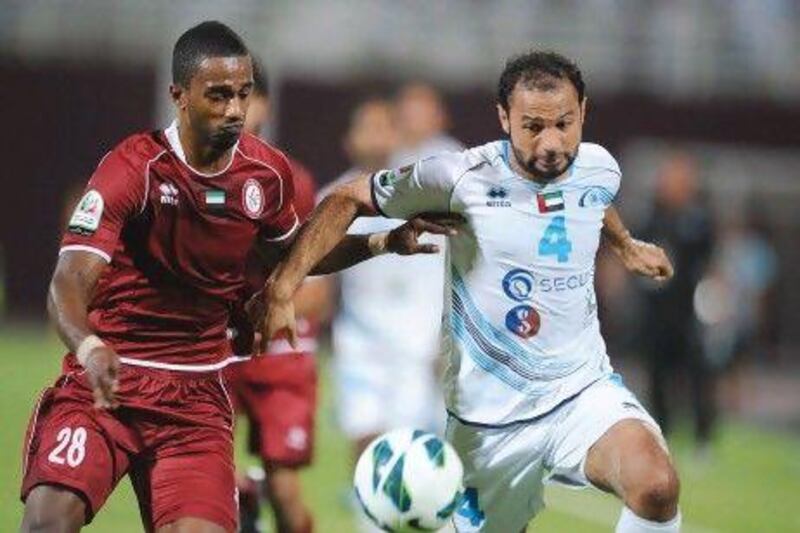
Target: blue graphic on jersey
[496,191]
[555,241]
[596,196]
[523,321]
[518,284]
[470,508]
[492,349]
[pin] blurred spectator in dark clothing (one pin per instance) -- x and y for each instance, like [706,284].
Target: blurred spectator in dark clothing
[681,223]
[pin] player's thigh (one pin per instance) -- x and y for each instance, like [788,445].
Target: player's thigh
[191,476]
[503,473]
[53,508]
[71,445]
[630,458]
[584,437]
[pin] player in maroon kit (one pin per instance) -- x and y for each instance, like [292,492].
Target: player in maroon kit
[277,392]
[151,265]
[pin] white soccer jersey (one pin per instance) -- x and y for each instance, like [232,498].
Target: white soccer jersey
[520,315]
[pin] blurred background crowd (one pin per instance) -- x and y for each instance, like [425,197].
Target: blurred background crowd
[698,100]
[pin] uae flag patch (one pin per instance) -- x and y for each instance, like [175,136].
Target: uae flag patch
[550,201]
[215,199]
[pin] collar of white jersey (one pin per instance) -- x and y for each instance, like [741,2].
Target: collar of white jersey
[174,140]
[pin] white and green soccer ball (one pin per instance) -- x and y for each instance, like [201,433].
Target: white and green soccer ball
[409,480]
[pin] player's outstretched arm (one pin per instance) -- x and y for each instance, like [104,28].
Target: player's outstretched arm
[322,247]
[68,298]
[638,256]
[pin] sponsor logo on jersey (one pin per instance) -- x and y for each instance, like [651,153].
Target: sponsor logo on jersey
[523,321]
[497,197]
[253,198]
[169,194]
[550,201]
[596,196]
[520,285]
[86,217]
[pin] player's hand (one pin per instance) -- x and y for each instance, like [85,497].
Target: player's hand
[271,316]
[102,369]
[404,240]
[646,259]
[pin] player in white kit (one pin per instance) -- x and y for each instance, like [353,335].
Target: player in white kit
[529,388]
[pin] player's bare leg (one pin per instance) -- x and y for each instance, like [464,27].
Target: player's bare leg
[285,496]
[53,509]
[191,525]
[632,461]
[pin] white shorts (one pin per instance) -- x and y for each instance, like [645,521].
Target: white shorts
[505,468]
[376,393]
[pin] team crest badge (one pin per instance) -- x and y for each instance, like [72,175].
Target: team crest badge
[86,217]
[253,198]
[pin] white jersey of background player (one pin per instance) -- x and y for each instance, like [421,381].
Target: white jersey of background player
[530,389]
[386,332]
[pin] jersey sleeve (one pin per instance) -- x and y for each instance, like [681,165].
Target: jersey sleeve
[425,186]
[115,193]
[282,222]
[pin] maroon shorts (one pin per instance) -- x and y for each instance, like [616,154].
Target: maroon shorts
[278,395]
[171,433]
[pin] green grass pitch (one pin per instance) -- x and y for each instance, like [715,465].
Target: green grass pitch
[751,483]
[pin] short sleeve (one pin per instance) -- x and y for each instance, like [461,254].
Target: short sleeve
[425,186]
[282,223]
[115,193]
[601,176]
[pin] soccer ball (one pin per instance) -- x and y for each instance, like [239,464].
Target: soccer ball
[409,480]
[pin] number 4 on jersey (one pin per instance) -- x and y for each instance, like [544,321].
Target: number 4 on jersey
[555,241]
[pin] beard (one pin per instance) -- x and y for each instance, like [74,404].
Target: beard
[529,165]
[224,138]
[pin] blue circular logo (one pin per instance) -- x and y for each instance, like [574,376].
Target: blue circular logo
[523,321]
[518,284]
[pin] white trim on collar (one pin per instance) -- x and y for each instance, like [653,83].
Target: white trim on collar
[174,140]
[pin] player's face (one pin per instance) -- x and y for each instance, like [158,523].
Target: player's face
[214,106]
[545,128]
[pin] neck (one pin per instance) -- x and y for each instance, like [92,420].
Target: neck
[200,156]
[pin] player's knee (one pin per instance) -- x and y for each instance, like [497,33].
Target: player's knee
[656,496]
[52,510]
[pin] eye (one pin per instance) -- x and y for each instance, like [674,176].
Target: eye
[562,125]
[216,97]
[533,128]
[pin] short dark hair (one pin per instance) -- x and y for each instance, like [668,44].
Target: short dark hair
[538,69]
[207,39]
[260,79]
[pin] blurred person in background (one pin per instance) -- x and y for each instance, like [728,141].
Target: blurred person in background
[278,391]
[681,222]
[386,330]
[422,123]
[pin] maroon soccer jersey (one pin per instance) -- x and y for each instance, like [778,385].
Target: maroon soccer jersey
[177,242]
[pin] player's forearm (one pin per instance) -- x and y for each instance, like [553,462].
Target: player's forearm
[67,304]
[316,240]
[614,229]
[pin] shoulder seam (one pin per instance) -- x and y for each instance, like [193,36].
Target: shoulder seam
[273,169]
[147,179]
[458,181]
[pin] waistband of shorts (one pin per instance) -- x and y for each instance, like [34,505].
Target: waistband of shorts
[166,370]
[187,371]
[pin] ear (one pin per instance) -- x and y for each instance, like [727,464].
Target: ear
[178,95]
[502,114]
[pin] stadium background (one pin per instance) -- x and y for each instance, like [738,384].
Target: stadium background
[719,80]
